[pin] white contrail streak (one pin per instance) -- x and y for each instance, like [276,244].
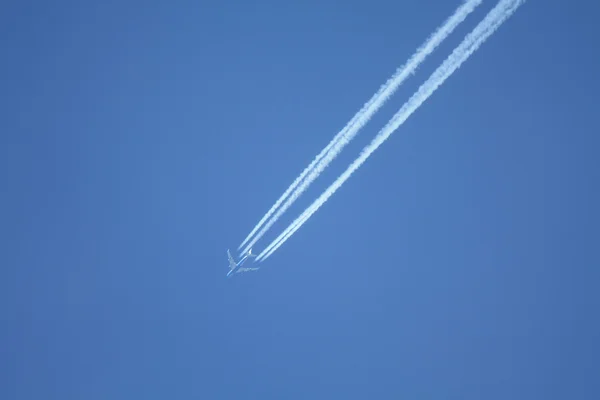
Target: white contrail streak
[503,10]
[326,156]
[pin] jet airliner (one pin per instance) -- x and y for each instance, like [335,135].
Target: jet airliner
[235,268]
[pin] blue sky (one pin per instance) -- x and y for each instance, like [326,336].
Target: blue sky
[141,140]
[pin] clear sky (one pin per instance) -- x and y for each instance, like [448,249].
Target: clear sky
[140,140]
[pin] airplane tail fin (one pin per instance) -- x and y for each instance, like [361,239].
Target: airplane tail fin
[251,254]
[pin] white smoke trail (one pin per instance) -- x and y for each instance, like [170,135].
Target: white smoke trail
[503,10]
[328,154]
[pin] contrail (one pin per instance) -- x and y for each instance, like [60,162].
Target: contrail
[363,116]
[503,10]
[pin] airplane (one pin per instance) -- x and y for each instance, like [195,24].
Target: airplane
[234,267]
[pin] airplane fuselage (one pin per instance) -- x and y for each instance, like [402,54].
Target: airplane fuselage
[237,266]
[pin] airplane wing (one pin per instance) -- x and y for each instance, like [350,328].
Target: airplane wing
[232,263]
[247,269]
